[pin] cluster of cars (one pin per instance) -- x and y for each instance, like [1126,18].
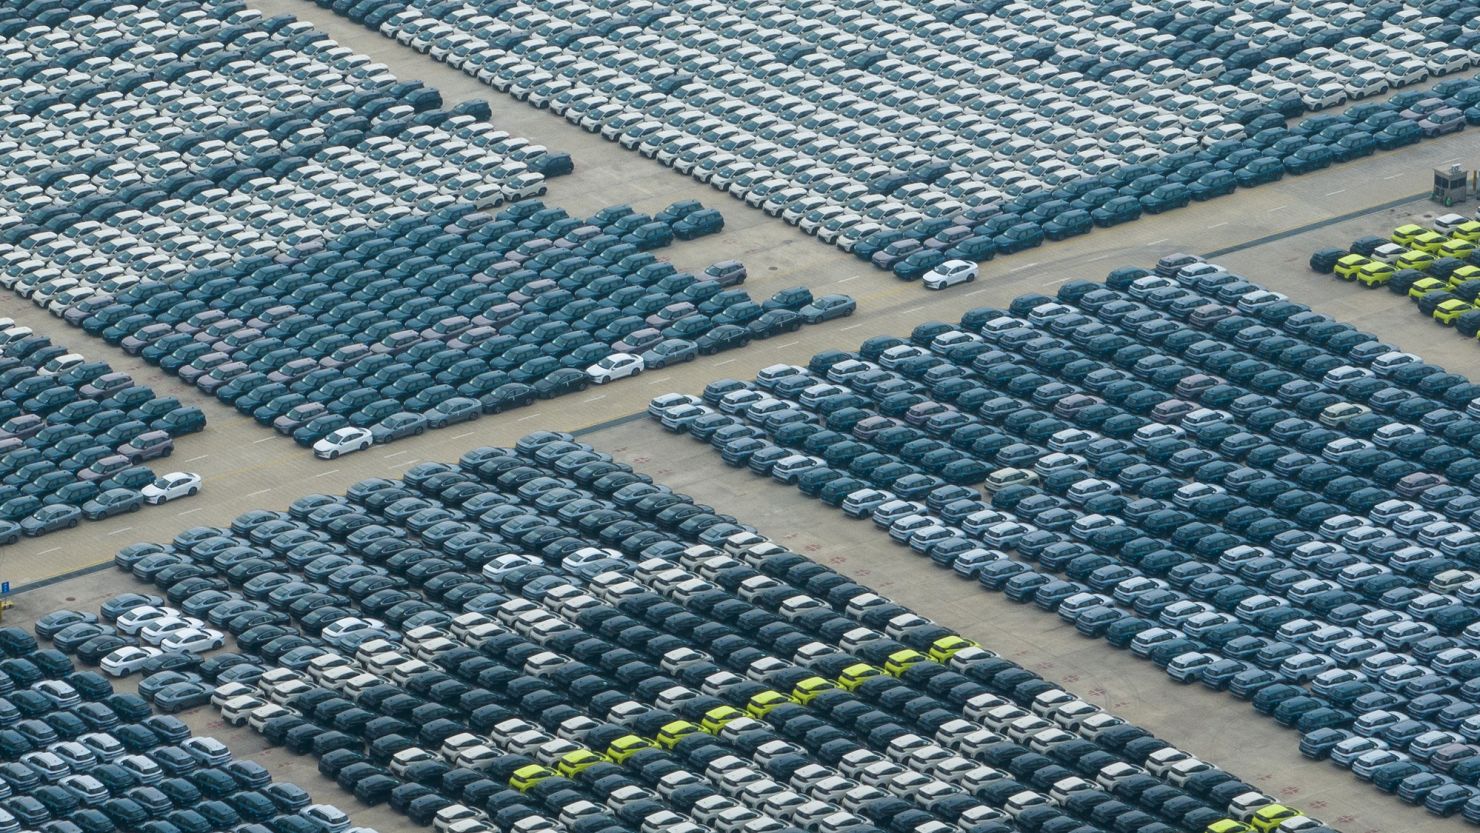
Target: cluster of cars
[533,638]
[149,145]
[436,319]
[1437,268]
[943,131]
[75,436]
[80,757]
[1248,493]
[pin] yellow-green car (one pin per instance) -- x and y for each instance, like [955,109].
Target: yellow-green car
[1468,230]
[1228,826]
[1448,311]
[900,661]
[1429,241]
[807,690]
[1375,274]
[1416,260]
[1346,268]
[625,747]
[1424,286]
[1404,235]
[571,763]
[1462,274]
[946,647]
[1267,819]
[716,718]
[854,675]
[672,733]
[525,777]
[1456,248]
[760,704]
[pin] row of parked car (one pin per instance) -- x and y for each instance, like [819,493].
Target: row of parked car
[75,436]
[436,319]
[1435,268]
[532,637]
[949,131]
[81,757]
[1266,501]
[407,307]
[139,150]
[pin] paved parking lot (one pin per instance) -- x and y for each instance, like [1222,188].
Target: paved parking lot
[1266,233]
[1250,746]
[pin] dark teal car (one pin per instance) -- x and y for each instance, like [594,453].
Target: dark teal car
[1260,171]
[1311,157]
[1117,211]
[1165,198]
[1070,223]
[1019,237]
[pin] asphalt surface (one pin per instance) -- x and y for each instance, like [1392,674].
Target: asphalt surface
[1266,233]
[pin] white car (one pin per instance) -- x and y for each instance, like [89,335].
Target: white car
[341,628]
[524,185]
[167,487]
[343,441]
[140,617]
[950,273]
[616,366]
[127,660]
[194,640]
[159,630]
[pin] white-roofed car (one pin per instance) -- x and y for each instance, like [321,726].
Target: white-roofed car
[194,640]
[950,273]
[343,441]
[167,487]
[616,366]
[128,659]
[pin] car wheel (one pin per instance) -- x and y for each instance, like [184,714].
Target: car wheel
[134,508]
[420,431]
[71,523]
[167,452]
[192,492]
[333,455]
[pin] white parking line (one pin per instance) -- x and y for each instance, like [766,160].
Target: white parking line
[45,551]
[786,345]
[725,362]
[849,278]
[120,531]
[1025,266]
[326,473]
[394,454]
[259,492]
[842,329]
[1337,191]
[1277,208]
[1059,281]
[660,380]
[1395,176]
[531,416]
[975,292]
[1158,242]
[1218,225]
[463,434]
[198,508]
[594,398]
[266,439]
[201,457]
